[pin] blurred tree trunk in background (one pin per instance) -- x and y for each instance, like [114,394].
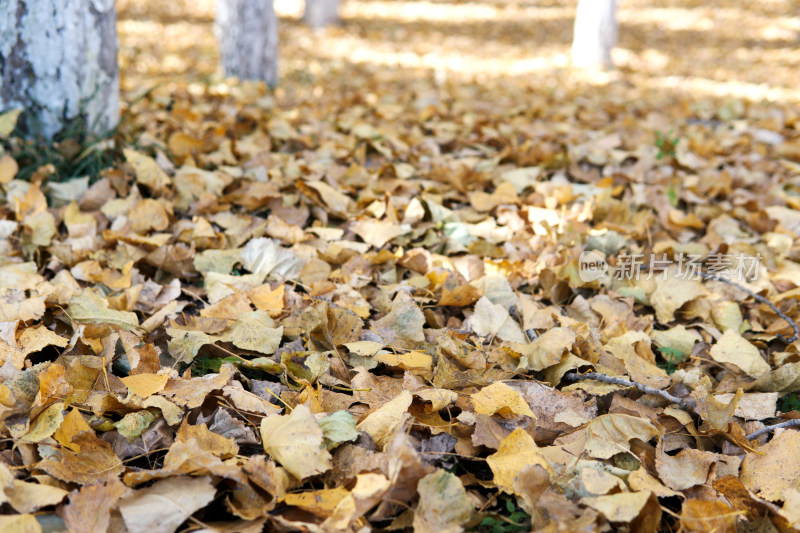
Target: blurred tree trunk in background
[248,38]
[321,13]
[595,33]
[58,61]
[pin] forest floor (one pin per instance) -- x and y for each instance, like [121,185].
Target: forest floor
[370,298]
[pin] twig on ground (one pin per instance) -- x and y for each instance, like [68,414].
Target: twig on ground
[684,403]
[758,297]
[767,429]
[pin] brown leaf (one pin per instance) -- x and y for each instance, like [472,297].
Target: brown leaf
[701,516]
[94,462]
[89,508]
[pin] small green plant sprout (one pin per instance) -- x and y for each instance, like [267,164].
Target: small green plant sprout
[206,365]
[672,196]
[507,519]
[672,357]
[790,402]
[666,144]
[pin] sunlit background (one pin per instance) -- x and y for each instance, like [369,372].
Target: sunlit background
[724,48]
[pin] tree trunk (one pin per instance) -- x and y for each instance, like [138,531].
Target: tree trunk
[58,61]
[595,33]
[248,39]
[321,13]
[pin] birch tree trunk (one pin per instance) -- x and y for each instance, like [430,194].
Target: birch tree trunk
[58,61]
[321,13]
[595,33]
[248,39]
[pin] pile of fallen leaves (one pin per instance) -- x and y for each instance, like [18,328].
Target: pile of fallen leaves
[360,307]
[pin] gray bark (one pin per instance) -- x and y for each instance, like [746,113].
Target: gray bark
[321,13]
[595,33]
[58,61]
[248,39]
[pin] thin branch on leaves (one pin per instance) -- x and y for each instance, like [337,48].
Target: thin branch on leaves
[758,297]
[795,328]
[767,429]
[684,403]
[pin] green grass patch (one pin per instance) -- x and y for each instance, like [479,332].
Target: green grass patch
[506,519]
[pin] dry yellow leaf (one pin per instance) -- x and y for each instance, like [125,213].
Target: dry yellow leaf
[71,426]
[774,468]
[379,232]
[516,451]
[701,516]
[182,144]
[791,506]
[147,170]
[46,423]
[415,360]
[8,168]
[95,461]
[145,385]
[317,502]
[600,482]
[438,398]
[28,497]
[501,399]
[443,504]
[610,434]
[267,299]
[546,350]
[623,507]
[368,491]
[672,293]
[8,121]
[734,349]
[385,421]
[296,442]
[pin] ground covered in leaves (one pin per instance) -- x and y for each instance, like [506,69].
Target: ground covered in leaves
[355,302]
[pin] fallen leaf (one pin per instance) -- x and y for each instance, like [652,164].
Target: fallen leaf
[71,426]
[46,423]
[384,422]
[367,492]
[701,516]
[492,320]
[774,467]
[516,451]
[545,350]
[733,349]
[94,462]
[318,502]
[147,170]
[296,441]
[145,385]
[443,504]
[337,428]
[165,505]
[608,435]
[91,307]
[8,121]
[624,507]
[89,508]
[8,167]
[379,232]
[501,399]
[254,331]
